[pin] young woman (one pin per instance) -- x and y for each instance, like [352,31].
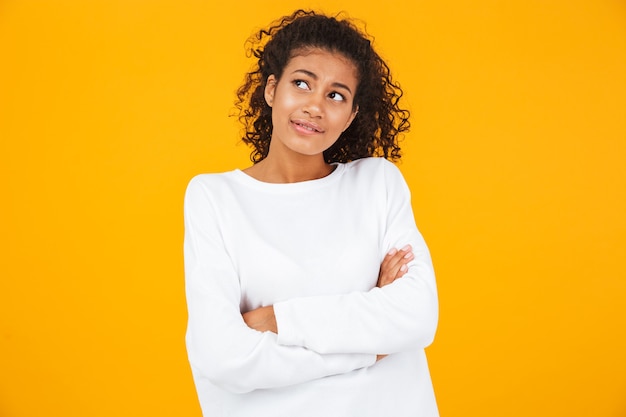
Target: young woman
[310,290]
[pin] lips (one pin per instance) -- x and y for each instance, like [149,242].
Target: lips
[306,126]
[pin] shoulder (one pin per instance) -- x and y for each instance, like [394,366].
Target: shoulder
[375,167]
[206,185]
[211,180]
[372,163]
[378,175]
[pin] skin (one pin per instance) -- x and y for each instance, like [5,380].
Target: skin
[312,104]
[394,266]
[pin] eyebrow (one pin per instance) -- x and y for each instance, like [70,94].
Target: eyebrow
[315,77]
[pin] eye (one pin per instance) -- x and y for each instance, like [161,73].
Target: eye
[336,96]
[301,84]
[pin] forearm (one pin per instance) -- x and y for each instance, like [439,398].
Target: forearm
[261,319]
[393,266]
[400,316]
[260,363]
[221,347]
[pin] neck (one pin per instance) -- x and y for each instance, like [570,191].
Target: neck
[283,170]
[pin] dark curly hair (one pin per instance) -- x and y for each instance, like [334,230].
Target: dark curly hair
[376,128]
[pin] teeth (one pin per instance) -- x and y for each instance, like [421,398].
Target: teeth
[306,127]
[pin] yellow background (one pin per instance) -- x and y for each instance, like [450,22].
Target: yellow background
[516,159]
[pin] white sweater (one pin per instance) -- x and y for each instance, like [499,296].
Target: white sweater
[312,249]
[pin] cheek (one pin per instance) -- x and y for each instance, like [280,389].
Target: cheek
[342,120]
[283,106]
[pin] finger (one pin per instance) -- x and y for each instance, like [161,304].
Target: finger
[399,258]
[404,267]
[394,265]
[388,277]
[395,254]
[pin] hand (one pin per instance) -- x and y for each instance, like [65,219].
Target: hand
[394,265]
[261,319]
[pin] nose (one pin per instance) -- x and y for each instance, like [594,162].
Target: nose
[314,106]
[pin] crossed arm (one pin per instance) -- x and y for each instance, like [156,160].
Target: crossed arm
[393,266]
[315,336]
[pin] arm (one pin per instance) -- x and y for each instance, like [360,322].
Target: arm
[400,316]
[220,346]
[394,265]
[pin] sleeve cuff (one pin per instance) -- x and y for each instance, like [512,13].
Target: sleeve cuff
[287,329]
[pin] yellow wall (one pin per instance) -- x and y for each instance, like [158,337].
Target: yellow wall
[517,161]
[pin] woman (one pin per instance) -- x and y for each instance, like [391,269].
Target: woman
[300,302]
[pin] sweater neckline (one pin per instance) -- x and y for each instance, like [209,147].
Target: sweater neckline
[246,179]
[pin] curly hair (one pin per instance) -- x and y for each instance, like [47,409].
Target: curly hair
[379,122]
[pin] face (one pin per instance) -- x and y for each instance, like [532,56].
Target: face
[312,103]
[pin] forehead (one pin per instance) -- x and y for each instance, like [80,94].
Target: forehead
[324,62]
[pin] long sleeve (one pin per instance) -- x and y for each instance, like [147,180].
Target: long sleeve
[220,346]
[397,317]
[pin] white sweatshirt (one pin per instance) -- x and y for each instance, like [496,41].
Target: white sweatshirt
[312,249]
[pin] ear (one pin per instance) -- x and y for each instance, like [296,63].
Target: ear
[352,116]
[270,88]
